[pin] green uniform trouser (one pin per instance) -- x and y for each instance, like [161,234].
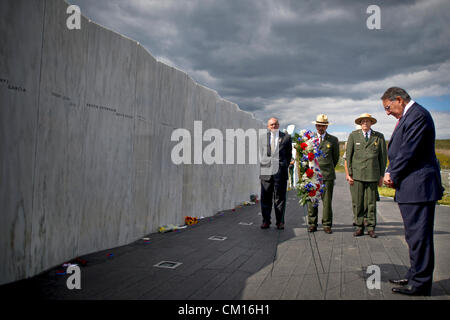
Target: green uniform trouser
[352,193]
[291,175]
[327,212]
[355,214]
[365,203]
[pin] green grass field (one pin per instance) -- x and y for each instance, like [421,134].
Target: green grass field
[443,144]
[388,192]
[442,153]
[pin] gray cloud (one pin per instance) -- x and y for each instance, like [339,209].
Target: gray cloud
[266,54]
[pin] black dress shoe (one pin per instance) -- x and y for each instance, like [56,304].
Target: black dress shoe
[280,226]
[400,282]
[412,291]
[312,229]
[265,225]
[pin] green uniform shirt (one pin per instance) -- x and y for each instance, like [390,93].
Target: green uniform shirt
[330,148]
[366,161]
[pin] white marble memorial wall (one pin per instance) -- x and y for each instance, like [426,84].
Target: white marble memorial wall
[86,118]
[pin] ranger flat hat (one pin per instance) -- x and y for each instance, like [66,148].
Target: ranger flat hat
[365,116]
[322,119]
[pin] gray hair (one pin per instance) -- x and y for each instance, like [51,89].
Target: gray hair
[395,92]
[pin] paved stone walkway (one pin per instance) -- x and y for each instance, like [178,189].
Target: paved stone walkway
[252,263]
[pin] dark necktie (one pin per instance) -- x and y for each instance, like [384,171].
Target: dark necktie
[367,136]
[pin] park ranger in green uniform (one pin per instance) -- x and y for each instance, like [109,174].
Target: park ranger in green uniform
[330,147]
[366,161]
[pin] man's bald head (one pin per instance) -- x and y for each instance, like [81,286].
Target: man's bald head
[273,124]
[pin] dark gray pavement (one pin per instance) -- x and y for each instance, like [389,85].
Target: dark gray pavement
[253,263]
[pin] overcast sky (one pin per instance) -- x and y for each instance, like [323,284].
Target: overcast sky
[296,59]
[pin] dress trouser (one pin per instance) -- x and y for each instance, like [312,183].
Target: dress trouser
[273,193]
[365,197]
[291,176]
[327,212]
[355,213]
[418,219]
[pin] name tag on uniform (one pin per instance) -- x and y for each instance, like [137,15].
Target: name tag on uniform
[328,145]
[375,143]
[358,143]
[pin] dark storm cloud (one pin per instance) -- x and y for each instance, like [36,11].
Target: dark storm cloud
[258,52]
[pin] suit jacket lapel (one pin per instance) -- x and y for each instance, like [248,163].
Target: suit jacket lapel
[360,139]
[371,139]
[323,140]
[321,144]
[396,128]
[400,123]
[280,139]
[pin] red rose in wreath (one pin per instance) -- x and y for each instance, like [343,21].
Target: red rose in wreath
[309,173]
[304,145]
[311,156]
[312,193]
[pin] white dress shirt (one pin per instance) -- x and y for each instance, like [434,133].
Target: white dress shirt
[368,133]
[322,137]
[274,135]
[410,103]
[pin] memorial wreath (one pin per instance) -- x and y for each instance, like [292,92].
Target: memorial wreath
[310,186]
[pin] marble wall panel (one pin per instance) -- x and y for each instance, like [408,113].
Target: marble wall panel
[145,144]
[58,180]
[108,153]
[20,64]
[86,121]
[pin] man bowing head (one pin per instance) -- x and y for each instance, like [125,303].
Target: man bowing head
[414,173]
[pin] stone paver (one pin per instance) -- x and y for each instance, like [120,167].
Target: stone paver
[253,263]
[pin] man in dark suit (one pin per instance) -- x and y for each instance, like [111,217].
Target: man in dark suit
[276,154]
[414,173]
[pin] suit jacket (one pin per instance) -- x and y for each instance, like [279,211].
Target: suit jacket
[366,161]
[327,164]
[282,156]
[413,165]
